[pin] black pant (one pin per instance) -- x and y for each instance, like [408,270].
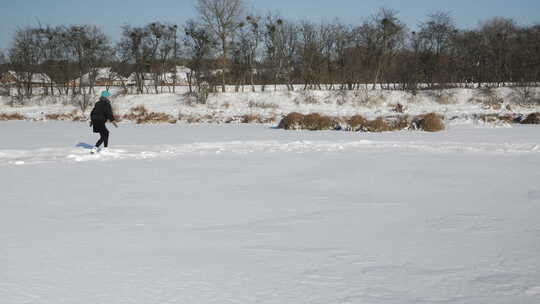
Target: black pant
[104,138]
[99,127]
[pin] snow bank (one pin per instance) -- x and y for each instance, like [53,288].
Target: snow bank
[273,105]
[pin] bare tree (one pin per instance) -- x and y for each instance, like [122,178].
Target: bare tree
[281,41]
[311,55]
[222,18]
[435,39]
[389,37]
[497,34]
[199,44]
[246,51]
[24,58]
[131,51]
[89,47]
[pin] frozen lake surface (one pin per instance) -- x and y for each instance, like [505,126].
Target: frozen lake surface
[251,214]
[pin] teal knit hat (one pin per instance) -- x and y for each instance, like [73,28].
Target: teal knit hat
[105,94]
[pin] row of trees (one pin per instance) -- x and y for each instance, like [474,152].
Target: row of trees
[227,46]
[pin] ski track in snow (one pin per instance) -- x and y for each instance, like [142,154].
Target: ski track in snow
[79,154]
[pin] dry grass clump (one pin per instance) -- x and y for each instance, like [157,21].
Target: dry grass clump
[262,105]
[72,116]
[136,113]
[141,115]
[532,119]
[293,121]
[296,121]
[428,122]
[506,118]
[357,123]
[13,116]
[61,116]
[494,118]
[400,123]
[316,121]
[250,119]
[154,117]
[378,125]
[313,122]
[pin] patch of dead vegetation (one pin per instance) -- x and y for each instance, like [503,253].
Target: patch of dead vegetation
[141,115]
[315,122]
[532,119]
[378,125]
[12,116]
[496,118]
[293,121]
[431,122]
[402,122]
[72,116]
[358,123]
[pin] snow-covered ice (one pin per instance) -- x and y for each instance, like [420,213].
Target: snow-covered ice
[252,214]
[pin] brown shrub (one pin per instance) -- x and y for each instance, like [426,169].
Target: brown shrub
[378,125]
[315,121]
[532,119]
[193,119]
[154,117]
[14,116]
[506,118]
[141,115]
[293,121]
[250,118]
[357,123]
[429,122]
[400,123]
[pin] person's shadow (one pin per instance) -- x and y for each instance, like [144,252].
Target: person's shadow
[84,145]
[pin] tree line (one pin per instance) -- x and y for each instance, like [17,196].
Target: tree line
[226,45]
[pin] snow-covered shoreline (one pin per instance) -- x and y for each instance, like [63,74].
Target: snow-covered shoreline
[272,106]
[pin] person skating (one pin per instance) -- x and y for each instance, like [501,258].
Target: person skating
[101,113]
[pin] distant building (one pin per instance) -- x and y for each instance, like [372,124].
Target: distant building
[7,78]
[36,79]
[178,77]
[102,77]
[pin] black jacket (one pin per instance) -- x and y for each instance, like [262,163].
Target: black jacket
[102,111]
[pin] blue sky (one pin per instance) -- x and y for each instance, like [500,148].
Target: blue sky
[110,15]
